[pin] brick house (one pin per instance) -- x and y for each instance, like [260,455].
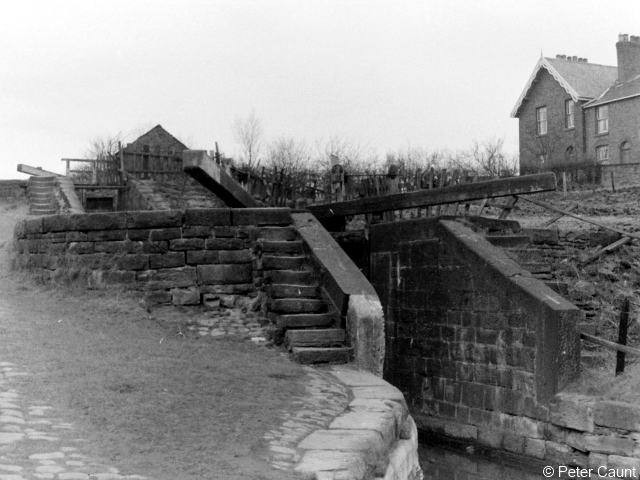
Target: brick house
[574,112]
[155,151]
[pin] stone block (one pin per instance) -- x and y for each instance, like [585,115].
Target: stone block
[490,437]
[199,257]
[154,219]
[58,223]
[165,234]
[168,278]
[139,234]
[613,414]
[224,274]
[185,296]
[224,244]
[132,261]
[597,460]
[534,447]
[572,411]
[98,221]
[197,231]
[606,444]
[234,256]
[381,422]
[122,246]
[208,216]
[314,461]
[76,236]
[260,216]
[512,442]
[155,247]
[81,247]
[182,244]
[369,442]
[115,277]
[235,289]
[33,225]
[627,467]
[106,235]
[158,296]
[166,260]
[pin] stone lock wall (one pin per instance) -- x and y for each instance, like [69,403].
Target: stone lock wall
[174,255]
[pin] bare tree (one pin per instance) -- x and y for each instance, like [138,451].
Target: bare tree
[248,134]
[104,147]
[491,159]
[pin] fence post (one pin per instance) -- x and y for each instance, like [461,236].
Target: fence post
[613,184]
[622,334]
[564,184]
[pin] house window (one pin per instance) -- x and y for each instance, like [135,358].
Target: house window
[569,118]
[602,119]
[625,151]
[602,154]
[541,120]
[568,153]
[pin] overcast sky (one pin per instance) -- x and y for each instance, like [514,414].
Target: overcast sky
[385,75]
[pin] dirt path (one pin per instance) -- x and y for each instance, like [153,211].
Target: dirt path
[91,387]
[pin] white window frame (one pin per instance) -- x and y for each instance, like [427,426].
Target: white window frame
[569,113]
[541,120]
[602,154]
[602,119]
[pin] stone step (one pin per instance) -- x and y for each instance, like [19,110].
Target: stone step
[277,262]
[282,246]
[293,291]
[297,305]
[508,240]
[291,277]
[322,354]
[306,320]
[278,233]
[315,337]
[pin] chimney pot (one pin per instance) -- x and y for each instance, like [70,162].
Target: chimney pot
[628,57]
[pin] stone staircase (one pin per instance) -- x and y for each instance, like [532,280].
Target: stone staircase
[41,193]
[304,320]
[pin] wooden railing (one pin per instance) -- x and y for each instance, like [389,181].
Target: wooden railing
[97,171]
[285,187]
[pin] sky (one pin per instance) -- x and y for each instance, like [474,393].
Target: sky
[384,75]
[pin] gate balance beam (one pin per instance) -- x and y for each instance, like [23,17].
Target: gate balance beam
[502,187]
[208,173]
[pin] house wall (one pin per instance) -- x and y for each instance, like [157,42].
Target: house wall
[624,124]
[159,141]
[546,91]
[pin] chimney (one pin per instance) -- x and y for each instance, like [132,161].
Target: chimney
[628,49]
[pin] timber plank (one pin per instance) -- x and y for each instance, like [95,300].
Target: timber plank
[502,187]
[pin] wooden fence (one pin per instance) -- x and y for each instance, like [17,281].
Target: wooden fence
[103,171]
[284,187]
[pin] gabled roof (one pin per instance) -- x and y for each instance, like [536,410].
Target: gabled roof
[159,131]
[617,91]
[581,80]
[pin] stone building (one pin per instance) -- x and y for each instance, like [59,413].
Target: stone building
[575,112]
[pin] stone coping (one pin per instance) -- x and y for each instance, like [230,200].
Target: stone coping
[373,438]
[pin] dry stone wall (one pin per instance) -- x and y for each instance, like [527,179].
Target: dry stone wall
[175,256]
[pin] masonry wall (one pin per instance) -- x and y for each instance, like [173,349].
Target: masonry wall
[548,92]
[174,256]
[624,125]
[482,350]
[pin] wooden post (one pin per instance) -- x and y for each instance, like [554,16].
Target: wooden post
[564,184]
[622,334]
[613,184]
[68,167]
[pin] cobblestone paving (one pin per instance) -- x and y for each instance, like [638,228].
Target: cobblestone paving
[233,322]
[34,444]
[324,399]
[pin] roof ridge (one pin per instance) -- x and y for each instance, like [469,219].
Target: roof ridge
[581,63]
